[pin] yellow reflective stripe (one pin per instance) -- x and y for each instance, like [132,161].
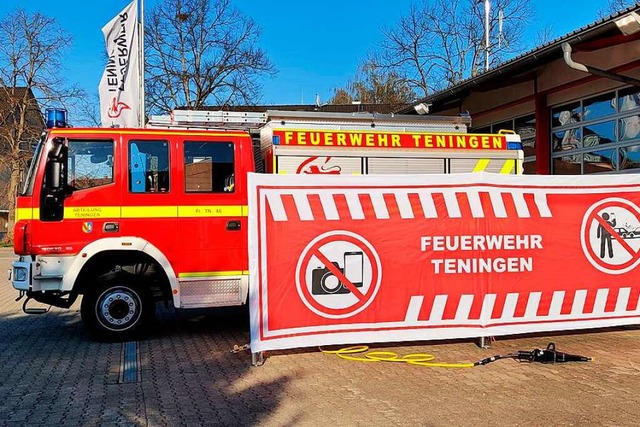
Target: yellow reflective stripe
[211,211]
[24,213]
[96,212]
[89,212]
[213,273]
[149,211]
[481,165]
[507,168]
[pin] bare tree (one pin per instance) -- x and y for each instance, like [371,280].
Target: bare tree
[373,85]
[30,78]
[615,6]
[441,42]
[201,51]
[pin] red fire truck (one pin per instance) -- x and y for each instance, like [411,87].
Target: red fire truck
[129,217]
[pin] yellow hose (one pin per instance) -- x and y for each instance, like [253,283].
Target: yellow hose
[420,359]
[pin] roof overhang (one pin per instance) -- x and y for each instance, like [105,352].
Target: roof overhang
[601,34]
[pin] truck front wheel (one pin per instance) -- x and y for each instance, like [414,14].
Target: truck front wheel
[117,309]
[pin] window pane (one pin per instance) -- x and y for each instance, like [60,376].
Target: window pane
[599,161]
[565,115]
[567,165]
[208,167]
[526,128]
[600,106]
[90,164]
[598,134]
[508,125]
[567,139]
[629,157]
[628,127]
[148,166]
[628,99]
[486,129]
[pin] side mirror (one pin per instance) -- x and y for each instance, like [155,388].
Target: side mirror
[53,179]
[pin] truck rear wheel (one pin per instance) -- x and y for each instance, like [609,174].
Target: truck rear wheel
[117,309]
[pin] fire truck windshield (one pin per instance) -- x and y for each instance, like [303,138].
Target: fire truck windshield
[27,190]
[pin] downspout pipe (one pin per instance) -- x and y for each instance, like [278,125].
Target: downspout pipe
[566,49]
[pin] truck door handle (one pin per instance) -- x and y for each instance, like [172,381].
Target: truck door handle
[233,225]
[111,227]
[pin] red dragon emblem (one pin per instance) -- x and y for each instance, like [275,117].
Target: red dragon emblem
[307,167]
[116,108]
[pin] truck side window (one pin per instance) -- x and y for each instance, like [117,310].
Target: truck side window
[90,164]
[208,167]
[148,166]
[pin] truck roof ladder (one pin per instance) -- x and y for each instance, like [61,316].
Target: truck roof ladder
[197,119]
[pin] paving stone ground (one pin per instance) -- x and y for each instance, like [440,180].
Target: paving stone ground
[52,374]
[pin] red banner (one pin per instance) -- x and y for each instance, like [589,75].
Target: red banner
[393,258]
[386,139]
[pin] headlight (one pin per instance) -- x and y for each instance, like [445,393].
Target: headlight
[19,274]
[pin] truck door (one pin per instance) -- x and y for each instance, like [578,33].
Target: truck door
[149,203]
[79,195]
[212,226]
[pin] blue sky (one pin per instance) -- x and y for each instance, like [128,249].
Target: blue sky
[316,46]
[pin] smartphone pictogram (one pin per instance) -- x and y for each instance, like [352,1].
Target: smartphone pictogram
[353,267]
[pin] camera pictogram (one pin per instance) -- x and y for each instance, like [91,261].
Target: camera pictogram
[325,282]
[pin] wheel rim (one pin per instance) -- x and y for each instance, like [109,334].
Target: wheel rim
[118,309]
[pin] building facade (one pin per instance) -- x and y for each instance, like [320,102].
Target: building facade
[574,101]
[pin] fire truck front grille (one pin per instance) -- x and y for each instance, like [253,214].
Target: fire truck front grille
[210,293]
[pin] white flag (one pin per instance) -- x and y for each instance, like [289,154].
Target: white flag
[120,84]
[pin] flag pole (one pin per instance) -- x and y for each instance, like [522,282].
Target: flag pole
[141,62]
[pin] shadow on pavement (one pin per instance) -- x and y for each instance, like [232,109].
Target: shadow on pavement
[52,373]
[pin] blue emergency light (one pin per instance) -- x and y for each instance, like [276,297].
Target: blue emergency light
[56,118]
[514,145]
[276,139]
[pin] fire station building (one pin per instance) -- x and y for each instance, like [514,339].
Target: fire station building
[574,101]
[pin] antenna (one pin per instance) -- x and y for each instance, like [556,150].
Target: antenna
[487,10]
[500,22]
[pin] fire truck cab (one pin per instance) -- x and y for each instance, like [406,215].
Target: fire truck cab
[129,217]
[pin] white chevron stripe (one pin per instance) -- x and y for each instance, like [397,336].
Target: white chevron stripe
[541,203]
[404,205]
[451,202]
[509,309]
[329,206]
[623,300]
[475,204]
[379,205]
[302,205]
[277,208]
[532,305]
[556,303]
[437,310]
[428,206]
[578,302]
[521,205]
[464,307]
[498,204]
[487,308]
[355,208]
[415,304]
[601,301]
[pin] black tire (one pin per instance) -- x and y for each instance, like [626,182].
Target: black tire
[117,309]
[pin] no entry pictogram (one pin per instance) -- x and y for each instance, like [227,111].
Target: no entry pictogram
[610,235]
[338,274]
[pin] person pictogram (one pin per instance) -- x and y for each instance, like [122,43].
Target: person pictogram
[604,235]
